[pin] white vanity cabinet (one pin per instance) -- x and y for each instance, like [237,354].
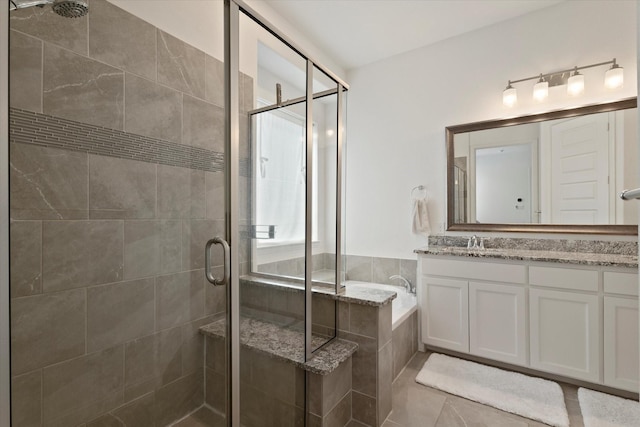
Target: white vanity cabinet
[572,320]
[446,312]
[565,333]
[621,330]
[497,322]
[485,317]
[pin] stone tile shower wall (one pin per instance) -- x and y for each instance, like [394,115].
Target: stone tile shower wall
[116,183]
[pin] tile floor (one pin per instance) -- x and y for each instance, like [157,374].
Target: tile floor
[415,405]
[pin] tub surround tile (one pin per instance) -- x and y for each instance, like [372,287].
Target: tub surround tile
[26,401]
[119,312]
[365,364]
[44,23]
[409,270]
[25,79]
[26,256]
[47,329]
[363,320]
[97,89]
[359,268]
[94,256]
[385,380]
[383,269]
[384,325]
[403,343]
[111,31]
[152,110]
[121,189]
[325,392]
[180,65]
[47,183]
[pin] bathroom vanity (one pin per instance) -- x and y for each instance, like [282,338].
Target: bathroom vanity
[571,314]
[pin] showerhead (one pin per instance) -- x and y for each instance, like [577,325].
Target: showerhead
[70,8]
[65,8]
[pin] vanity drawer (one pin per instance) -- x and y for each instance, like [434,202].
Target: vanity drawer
[565,278]
[621,283]
[476,270]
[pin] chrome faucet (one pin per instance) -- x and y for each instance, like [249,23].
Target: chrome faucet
[407,284]
[473,242]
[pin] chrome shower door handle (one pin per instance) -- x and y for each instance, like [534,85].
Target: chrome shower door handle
[226,260]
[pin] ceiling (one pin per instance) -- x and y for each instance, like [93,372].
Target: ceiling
[359,32]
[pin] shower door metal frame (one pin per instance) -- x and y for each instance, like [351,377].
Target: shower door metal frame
[232,9]
[5,367]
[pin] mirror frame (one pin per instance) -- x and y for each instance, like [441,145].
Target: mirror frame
[451,131]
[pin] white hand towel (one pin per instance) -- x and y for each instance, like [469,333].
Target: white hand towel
[420,224]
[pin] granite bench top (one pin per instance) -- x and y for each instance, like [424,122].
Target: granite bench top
[357,295]
[286,344]
[581,258]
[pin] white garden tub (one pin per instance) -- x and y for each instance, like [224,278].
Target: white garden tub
[401,307]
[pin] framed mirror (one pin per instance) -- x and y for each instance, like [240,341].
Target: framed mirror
[555,172]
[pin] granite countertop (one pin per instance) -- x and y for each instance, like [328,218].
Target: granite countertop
[286,344]
[582,258]
[356,294]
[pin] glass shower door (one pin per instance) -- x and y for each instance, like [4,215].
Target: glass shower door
[116,164]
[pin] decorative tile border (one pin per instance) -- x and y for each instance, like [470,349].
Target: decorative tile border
[40,129]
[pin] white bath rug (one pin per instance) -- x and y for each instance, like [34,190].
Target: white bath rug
[530,397]
[603,410]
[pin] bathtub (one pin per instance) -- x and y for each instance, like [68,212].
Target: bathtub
[401,307]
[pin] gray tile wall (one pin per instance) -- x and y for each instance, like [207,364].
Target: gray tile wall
[372,372]
[116,184]
[378,270]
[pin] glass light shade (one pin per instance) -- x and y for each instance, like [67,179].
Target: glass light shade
[614,78]
[541,91]
[575,85]
[509,96]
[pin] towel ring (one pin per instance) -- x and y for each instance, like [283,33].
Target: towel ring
[419,188]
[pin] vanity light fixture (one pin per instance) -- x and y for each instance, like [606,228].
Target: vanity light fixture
[575,84]
[510,95]
[614,79]
[541,89]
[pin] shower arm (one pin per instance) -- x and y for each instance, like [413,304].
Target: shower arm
[14,5]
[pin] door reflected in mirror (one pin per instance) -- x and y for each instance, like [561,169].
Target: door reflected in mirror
[561,168]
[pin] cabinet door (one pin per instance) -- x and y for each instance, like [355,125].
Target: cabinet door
[445,315]
[621,343]
[565,333]
[497,322]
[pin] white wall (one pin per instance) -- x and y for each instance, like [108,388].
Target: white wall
[200,23]
[398,108]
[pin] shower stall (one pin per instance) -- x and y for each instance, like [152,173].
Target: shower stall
[171,189]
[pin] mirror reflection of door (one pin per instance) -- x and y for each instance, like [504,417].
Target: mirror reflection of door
[580,185]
